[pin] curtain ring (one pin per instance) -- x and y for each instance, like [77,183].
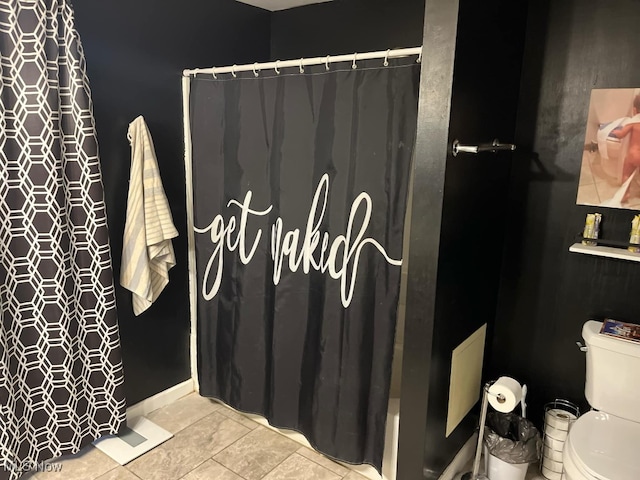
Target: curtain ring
[233,71]
[386,58]
[301,67]
[276,68]
[420,56]
[353,65]
[255,73]
[195,72]
[213,72]
[326,62]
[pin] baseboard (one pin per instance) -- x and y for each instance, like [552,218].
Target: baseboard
[461,460]
[160,400]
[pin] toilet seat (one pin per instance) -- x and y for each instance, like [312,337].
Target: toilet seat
[602,447]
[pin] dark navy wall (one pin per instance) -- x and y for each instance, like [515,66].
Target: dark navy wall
[135,53]
[547,293]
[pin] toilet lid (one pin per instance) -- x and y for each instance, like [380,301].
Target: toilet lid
[606,446]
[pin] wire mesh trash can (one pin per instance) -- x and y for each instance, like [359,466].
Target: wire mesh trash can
[559,415]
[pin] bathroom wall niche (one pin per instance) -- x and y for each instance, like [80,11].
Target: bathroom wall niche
[610,173]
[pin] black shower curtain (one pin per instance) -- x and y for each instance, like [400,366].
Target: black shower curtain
[300,185]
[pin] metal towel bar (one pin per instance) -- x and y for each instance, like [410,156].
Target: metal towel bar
[489,147]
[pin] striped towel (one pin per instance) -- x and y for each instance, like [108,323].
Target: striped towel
[147,251]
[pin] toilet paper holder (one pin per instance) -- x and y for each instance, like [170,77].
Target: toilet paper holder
[474,474]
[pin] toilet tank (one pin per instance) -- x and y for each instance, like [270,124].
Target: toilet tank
[613,373]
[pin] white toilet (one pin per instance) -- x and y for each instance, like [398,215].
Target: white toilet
[604,444]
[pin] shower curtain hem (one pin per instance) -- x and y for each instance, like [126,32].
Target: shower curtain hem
[330,457]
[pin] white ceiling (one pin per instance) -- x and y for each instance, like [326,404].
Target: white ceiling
[274,5]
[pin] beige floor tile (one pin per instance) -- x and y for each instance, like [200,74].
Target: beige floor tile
[188,449]
[87,464]
[297,467]
[184,412]
[120,473]
[254,455]
[211,470]
[354,476]
[324,461]
[238,417]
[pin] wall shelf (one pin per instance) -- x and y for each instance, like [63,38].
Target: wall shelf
[602,251]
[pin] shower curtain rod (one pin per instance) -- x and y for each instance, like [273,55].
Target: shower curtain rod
[303,62]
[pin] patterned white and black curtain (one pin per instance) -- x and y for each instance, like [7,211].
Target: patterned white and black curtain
[61,376]
[300,186]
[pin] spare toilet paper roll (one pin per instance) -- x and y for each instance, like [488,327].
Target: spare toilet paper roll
[505,394]
[560,419]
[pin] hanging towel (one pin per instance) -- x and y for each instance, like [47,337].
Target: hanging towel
[147,251]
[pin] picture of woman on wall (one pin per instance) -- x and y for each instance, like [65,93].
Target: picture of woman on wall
[632,128]
[611,155]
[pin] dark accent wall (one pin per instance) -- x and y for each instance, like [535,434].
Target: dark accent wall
[135,53]
[429,171]
[484,101]
[346,26]
[547,293]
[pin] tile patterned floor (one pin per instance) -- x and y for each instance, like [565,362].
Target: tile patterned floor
[211,442]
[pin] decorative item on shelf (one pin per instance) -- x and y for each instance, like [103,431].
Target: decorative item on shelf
[635,234]
[591,228]
[607,248]
[559,415]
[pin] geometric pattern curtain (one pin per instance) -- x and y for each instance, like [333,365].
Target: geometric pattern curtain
[61,376]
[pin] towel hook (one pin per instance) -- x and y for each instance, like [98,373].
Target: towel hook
[213,72]
[255,73]
[326,62]
[301,67]
[233,71]
[355,57]
[277,68]
[386,58]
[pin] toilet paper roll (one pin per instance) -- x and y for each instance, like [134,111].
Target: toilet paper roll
[505,394]
[555,455]
[552,465]
[560,419]
[556,433]
[550,474]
